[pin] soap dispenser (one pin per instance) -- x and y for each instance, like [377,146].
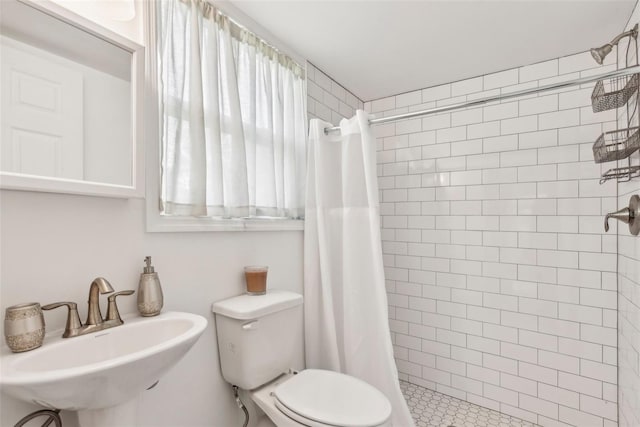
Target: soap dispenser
[149,291]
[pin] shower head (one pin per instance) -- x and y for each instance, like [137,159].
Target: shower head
[599,53]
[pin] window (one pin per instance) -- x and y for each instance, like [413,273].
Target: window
[232,118]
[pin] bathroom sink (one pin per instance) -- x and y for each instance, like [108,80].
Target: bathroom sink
[103,369]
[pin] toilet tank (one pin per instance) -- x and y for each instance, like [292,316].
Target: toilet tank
[258,336]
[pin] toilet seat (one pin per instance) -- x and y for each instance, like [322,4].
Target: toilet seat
[319,398]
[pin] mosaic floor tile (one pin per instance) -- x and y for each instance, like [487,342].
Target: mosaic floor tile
[430,408]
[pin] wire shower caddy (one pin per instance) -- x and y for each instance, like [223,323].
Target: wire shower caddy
[619,144]
[613,93]
[616,145]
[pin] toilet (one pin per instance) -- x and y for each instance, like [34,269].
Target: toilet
[258,339]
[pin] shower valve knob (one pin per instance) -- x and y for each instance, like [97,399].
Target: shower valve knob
[630,215]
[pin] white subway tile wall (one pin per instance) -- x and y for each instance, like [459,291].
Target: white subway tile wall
[328,100]
[501,280]
[628,285]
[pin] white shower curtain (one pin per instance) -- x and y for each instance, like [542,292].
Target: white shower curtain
[346,320]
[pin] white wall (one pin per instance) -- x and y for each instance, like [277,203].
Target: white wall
[501,280]
[629,284]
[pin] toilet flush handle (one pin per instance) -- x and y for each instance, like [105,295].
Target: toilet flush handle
[250,326]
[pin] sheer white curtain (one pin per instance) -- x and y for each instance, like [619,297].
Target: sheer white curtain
[346,318]
[233,118]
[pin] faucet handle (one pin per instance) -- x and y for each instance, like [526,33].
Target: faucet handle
[112,307]
[623,215]
[630,215]
[73,319]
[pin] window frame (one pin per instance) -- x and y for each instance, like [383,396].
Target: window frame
[155,221]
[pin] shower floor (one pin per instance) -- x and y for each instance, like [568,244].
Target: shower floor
[430,408]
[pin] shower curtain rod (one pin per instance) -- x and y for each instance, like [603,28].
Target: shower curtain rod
[482,101]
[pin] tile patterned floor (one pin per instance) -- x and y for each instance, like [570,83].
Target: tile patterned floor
[430,408]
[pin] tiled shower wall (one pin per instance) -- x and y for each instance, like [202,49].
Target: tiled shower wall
[328,100]
[501,280]
[629,284]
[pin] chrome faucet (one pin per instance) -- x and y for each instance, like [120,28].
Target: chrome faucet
[94,322]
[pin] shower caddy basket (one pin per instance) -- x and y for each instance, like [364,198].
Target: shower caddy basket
[618,144]
[613,93]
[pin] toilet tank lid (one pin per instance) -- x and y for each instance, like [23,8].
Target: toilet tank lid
[245,307]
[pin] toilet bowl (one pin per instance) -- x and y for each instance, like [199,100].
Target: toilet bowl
[319,398]
[258,337]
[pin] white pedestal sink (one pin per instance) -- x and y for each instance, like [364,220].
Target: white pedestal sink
[100,375]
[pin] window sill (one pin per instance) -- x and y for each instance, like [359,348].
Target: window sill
[158,223]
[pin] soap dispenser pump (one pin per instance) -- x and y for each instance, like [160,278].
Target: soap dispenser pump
[150,298]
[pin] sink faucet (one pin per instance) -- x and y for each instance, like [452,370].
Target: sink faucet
[94,316]
[94,322]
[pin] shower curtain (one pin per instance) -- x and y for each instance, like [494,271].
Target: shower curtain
[346,319]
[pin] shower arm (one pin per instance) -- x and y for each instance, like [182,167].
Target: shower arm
[632,32]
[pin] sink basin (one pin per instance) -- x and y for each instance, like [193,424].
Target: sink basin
[103,369]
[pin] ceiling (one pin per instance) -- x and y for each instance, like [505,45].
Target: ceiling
[380,48]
